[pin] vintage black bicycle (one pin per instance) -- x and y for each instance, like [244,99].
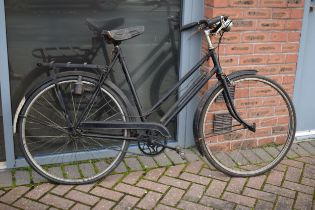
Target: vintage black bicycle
[76,125]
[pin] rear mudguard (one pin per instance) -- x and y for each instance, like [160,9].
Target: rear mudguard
[205,98]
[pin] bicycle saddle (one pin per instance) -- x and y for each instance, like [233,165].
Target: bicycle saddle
[98,25]
[124,34]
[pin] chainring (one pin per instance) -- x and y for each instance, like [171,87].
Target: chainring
[152,143]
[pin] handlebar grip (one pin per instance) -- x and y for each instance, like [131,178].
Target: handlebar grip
[189,26]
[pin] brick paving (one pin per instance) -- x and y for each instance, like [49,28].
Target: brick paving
[167,182]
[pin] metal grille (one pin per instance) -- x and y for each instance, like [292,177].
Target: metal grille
[222,123]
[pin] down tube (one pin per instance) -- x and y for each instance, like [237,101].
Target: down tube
[186,98]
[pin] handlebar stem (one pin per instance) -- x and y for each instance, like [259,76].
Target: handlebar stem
[207,34]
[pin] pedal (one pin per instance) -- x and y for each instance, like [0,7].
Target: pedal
[181,153]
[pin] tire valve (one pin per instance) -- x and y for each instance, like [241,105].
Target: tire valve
[78,87]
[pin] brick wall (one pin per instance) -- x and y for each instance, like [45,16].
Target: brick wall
[265,37]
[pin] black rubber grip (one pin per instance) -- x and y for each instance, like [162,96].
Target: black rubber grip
[189,26]
[213,21]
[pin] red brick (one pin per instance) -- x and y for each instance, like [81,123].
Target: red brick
[270,24]
[281,13]
[153,186]
[111,180]
[173,196]
[82,197]
[234,49]
[229,60]
[195,178]
[27,204]
[290,47]
[267,48]
[136,191]
[128,202]
[293,25]
[174,171]
[104,205]
[231,37]
[57,201]
[133,177]
[295,3]
[243,3]
[294,36]
[233,13]
[174,182]
[217,3]
[253,59]
[291,58]
[257,13]
[39,191]
[297,13]
[274,3]
[240,25]
[239,199]
[255,37]
[276,58]
[278,36]
[13,194]
[154,174]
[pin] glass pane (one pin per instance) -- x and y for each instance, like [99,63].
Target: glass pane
[2,146]
[62,30]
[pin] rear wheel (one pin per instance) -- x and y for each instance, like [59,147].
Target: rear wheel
[62,154]
[236,150]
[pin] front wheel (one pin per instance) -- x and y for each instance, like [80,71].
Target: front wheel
[62,153]
[235,150]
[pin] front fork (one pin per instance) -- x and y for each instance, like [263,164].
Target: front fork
[230,104]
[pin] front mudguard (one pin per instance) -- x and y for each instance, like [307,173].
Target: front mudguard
[205,98]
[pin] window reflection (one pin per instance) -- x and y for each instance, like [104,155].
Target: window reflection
[68,31]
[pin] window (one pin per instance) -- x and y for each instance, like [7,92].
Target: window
[44,30]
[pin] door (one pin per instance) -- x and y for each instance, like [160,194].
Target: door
[304,85]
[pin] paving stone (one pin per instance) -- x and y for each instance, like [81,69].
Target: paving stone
[22,177]
[299,150]
[280,167]
[214,174]
[121,168]
[309,160]
[239,199]
[1,192]
[5,178]
[308,147]
[256,181]
[14,194]
[284,203]
[251,156]
[175,171]
[85,187]
[147,162]
[61,189]
[293,174]
[216,203]
[36,178]
[263,205]
[275,178]
[236,185]
[136,191]
[87,169]
[195,193]
[39,191]
[291,154]
[153,186]
[279,191]
[101,165]
[6,207]
[56,171]
[104,205]
[174,157]
[162,160]
[150,200]
[82,197]
[194,167]
[111,180]
[259,194]
[163,207]
[80,206]
[133,177]
[173,196]
[72,171]
[128,202]
[56,201]
[216,188]
[174,182]
[308,182]
[303,201]
[263,155]
[190,205]
[195,178]
[191,156]
[298,187]
[28,204]
[154,174]
[133,164]
[106,193]
[292,163]
[272,151]
[309,171]
[240,207]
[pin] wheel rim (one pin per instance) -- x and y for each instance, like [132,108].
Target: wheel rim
[71,158]
[234,152]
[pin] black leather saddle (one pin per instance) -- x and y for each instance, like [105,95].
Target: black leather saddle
[124,34]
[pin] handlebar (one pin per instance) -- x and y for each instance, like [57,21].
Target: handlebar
[208,23]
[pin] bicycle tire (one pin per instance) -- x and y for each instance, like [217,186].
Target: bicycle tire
[87,160]
[266,147]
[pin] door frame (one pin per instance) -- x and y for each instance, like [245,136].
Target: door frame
[308,134]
